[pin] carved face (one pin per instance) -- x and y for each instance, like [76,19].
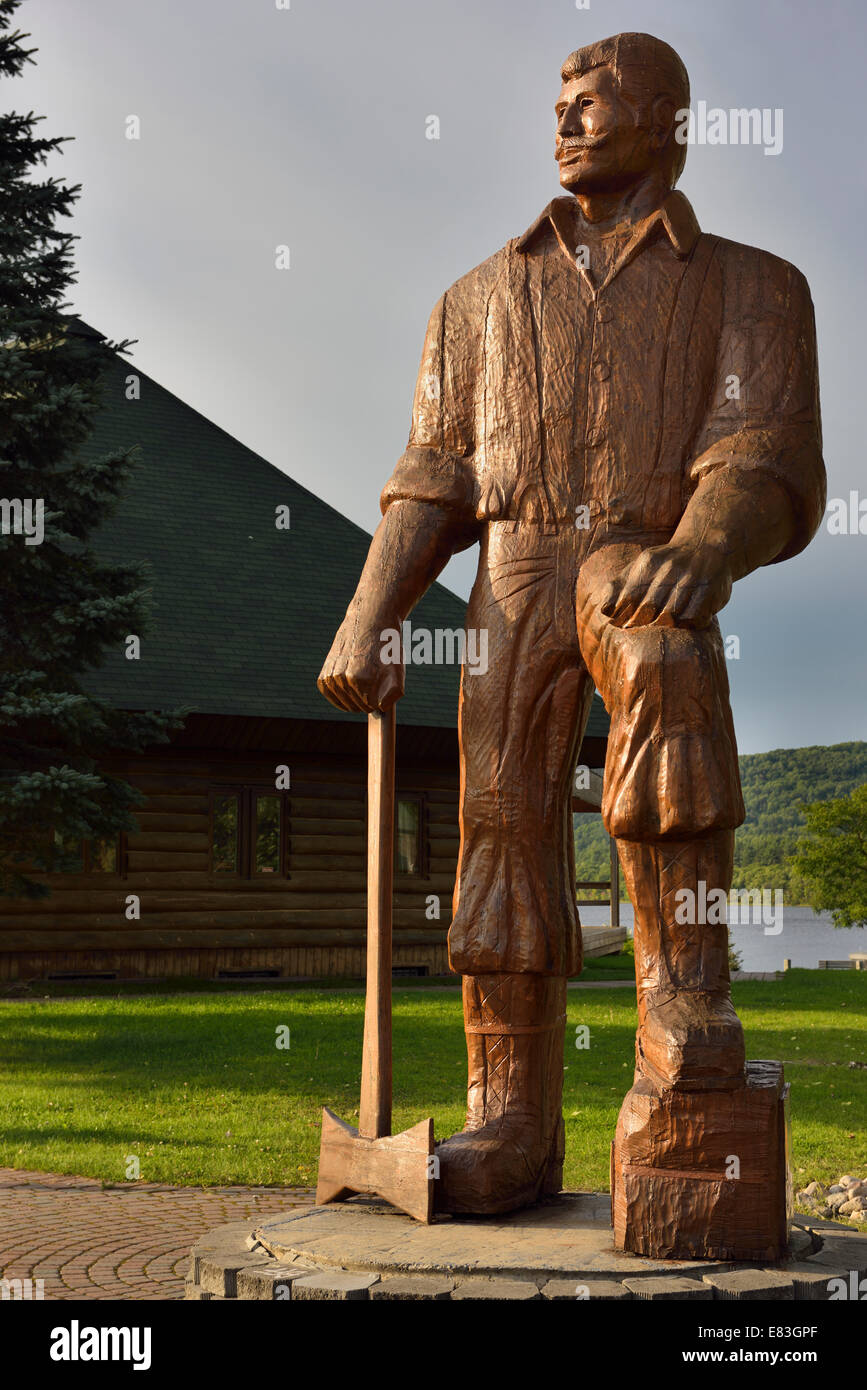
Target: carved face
[600,145]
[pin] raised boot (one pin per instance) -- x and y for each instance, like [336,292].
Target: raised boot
[689,1036]
[510,1151]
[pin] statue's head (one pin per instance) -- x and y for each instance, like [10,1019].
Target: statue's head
[616,114]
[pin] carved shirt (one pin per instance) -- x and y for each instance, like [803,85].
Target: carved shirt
[544,389]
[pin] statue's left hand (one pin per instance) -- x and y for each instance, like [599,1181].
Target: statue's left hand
[670,586]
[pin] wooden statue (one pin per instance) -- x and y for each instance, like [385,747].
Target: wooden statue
[622,410]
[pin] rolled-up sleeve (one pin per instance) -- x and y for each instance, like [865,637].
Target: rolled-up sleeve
[764,416]
[436,465]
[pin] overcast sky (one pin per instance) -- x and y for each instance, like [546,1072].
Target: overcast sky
[306,127]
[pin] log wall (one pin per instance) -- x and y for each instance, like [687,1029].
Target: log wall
[195,923]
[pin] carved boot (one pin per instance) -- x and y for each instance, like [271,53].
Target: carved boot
[511,1149]
[689,1036]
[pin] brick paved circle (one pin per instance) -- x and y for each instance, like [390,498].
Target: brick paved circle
[129,1240]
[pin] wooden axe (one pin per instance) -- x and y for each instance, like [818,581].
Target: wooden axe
[371,1159]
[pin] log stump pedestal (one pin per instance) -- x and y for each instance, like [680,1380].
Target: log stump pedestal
[704,1174]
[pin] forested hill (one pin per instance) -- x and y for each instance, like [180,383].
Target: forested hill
[774,785]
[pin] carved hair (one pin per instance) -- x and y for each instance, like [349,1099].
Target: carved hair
[645,68]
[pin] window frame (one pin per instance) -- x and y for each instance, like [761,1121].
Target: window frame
[217,793]
[247,795]
[255,791]
[119,871]
[423,871]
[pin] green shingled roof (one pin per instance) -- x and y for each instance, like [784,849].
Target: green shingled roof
[243,613]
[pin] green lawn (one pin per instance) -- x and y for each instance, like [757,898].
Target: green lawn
[195,1087]
[615,967]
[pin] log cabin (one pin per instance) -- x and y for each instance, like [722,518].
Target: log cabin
[249,857]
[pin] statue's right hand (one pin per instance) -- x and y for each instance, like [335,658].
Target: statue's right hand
[354,676]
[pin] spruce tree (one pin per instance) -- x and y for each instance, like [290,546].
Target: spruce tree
[60,608]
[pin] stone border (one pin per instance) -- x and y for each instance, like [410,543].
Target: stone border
[229,1263]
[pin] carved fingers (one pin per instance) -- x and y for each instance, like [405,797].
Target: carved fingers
[668,586]
[355,677]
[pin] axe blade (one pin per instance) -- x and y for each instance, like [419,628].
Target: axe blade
[396,1167]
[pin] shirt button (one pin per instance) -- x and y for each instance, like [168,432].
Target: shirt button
[601,371]
[595,435]
[604,313]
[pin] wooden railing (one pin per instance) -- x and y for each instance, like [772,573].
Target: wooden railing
[612,885]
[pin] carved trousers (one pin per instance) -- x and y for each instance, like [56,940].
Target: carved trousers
[671,767]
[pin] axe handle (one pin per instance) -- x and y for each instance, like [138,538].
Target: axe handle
[374,1118]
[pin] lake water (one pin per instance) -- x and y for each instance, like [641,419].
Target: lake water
[798,934]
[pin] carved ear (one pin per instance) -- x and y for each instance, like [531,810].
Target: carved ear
[662,119]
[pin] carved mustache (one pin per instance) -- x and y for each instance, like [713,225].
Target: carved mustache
[563,144]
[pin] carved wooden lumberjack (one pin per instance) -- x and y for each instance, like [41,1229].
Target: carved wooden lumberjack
[623,411]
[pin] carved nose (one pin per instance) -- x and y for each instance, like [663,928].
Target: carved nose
[570,122]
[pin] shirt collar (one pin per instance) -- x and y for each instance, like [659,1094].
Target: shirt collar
[675,216]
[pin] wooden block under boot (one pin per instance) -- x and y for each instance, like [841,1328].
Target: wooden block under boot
[671,1196]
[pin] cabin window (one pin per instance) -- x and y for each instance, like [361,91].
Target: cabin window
[101,856]
[71,849]
[249,833]
[268,834]
[224,835]
[408,838]
[89,856]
